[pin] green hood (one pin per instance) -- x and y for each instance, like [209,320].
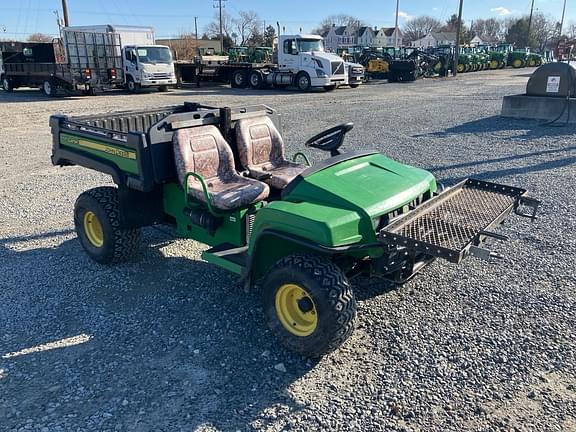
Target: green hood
[373,184]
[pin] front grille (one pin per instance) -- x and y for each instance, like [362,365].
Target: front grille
[356,71]
[337,68]
[160,76]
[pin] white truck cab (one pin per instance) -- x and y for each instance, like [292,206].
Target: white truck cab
[148,66]
[303,55]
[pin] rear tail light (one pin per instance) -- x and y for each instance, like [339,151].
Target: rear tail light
[112,74]
[87,74]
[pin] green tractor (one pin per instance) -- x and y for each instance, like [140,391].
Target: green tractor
[260,55]
[464,63]
[238,54]
[298,233]
[535,60]
[515,58]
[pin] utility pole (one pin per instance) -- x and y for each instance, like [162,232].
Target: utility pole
[396,28]
[530,21]
[562,20]
[458,33]
[196,33]
[219,4]
[65,13]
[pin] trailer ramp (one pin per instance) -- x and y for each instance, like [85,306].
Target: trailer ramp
[455,223]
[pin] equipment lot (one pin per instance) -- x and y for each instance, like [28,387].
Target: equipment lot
[167,342]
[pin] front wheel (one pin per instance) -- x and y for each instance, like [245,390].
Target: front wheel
[354,85]
[309,304]
[7,85]
[303,81]
[163,88]
[131,85]
[330,88]
[97,222]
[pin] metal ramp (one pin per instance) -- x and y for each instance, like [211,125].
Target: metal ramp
[455,223]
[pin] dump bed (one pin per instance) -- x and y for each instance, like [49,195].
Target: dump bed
[135,147]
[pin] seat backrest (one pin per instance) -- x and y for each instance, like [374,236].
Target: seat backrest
[204,151]
[259,142]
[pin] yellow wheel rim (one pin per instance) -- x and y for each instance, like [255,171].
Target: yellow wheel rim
[517,63]
[460,67]
[93,229]
[296,310]
[493,64]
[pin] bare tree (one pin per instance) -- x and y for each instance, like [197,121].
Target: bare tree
[338,20]
[39,37]
[419,27]
[213,28]
[246,26]
[185,47]
[489,30]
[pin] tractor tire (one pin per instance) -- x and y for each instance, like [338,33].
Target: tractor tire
[494,64]
[50,88]
[517,64]
[97,222]
[131,85]
[309,304]
[238,79]
[303,81]
[7,85]
[256,80]
[461,68]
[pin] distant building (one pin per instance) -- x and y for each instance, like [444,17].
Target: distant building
[476,41]
[386,37]
[435,39]
[366,36]
[340,37]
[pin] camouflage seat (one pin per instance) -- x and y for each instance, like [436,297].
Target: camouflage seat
[204,151]
[261,152]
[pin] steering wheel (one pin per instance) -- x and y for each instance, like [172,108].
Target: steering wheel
[331,139]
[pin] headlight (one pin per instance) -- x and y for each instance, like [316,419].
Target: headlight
[321,74]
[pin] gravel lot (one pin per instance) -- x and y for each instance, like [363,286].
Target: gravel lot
[169,343]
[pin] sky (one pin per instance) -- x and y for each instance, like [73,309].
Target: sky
[20,18]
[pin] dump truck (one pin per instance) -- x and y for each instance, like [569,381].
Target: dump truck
[296,231]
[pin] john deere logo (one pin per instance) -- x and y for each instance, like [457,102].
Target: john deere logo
[92,145]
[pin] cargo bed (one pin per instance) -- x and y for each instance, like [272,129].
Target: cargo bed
[455,223]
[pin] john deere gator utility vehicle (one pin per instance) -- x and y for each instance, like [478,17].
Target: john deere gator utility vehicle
[299,233]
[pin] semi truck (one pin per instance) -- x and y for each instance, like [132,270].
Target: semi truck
[89,59]
[297,61]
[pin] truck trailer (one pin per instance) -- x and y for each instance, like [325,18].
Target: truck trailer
[297,61]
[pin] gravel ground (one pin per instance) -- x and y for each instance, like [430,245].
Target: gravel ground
[169,343]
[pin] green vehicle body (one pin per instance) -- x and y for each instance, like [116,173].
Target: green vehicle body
[332,222]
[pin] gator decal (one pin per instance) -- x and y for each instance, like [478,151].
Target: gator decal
[124,158]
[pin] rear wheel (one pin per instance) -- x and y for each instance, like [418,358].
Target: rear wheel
[309,304]
[97,222]
[49,88]
[461,68]
[7,84]
[303,81]
[255,79]
[354,85]
[238,79]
